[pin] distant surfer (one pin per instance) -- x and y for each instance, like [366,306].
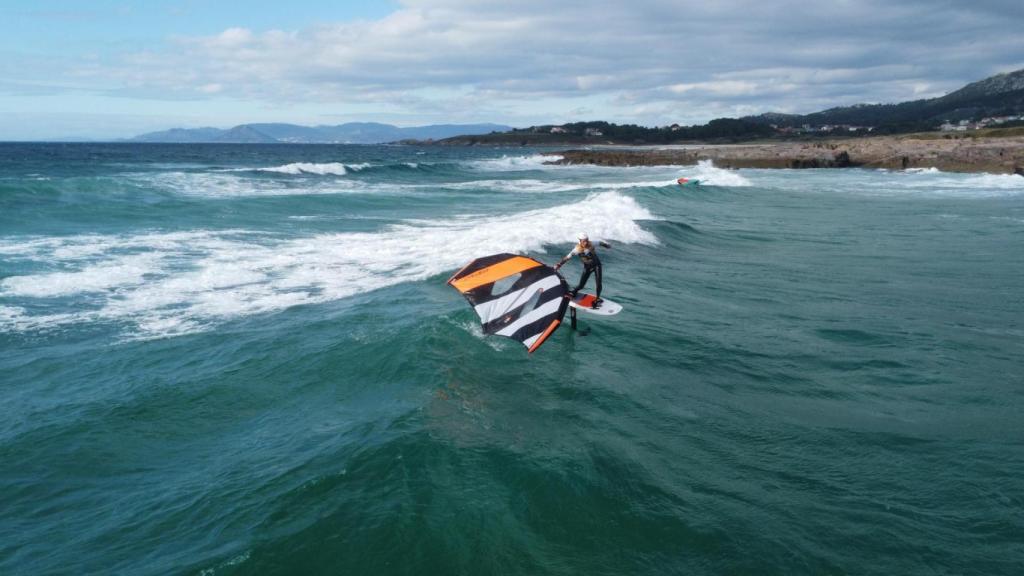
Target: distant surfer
[591,264]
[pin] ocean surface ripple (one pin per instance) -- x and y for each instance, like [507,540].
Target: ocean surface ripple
[243,359]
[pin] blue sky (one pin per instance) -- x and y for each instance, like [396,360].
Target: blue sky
[60,26]
[110,69]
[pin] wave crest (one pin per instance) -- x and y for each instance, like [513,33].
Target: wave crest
[710,175]
[166,284]
[515,163]
[320,169]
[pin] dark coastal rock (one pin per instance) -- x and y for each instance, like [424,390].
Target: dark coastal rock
[1004,155]
[804,163]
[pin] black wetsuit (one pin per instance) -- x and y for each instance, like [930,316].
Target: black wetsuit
[591,265]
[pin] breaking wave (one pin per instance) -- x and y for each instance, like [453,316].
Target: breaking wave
[710,175]
[166,284]
[321,169]
[228,185]
[515,163]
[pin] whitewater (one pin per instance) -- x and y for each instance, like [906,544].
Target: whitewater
[244,359]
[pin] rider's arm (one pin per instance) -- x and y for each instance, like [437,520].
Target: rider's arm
[604,244]
[565,259]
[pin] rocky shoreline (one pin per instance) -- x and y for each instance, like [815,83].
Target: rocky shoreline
[995,155]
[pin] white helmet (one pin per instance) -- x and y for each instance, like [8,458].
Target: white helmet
[582,236]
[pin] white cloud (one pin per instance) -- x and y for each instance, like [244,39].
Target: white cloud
[719,87]
[231,38]
[646,61]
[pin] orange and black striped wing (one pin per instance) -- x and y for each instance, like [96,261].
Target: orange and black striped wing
[514,296]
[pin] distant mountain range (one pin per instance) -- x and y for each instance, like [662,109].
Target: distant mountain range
[1000,96]
[350,133]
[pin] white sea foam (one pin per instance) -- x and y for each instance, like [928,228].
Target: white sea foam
[213,184]
[306,168]
[515,163]
[922,183]
[8,314]
[531,186]
[976,181]
[222,185]
[322,169]
[177,283]
[14,318]
[933,182]
[638,184]
[476,331]
[63,249]
[122,272]
[525,185]
[229,185]
[710,175]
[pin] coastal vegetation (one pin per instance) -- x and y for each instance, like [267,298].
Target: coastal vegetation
[997,101]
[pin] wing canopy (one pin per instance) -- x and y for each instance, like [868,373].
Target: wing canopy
[514,296]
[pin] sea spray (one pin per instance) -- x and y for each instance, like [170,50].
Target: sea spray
[709,175]
[167,284]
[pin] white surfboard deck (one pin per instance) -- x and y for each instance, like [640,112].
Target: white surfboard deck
[584,302]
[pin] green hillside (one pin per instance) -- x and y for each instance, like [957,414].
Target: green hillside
[1000,96]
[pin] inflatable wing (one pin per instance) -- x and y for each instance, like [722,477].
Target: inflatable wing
[514,296]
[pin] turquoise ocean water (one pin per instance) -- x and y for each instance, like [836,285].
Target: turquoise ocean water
[245,360]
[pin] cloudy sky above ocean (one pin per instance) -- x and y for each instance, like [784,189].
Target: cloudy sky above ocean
[110,68]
